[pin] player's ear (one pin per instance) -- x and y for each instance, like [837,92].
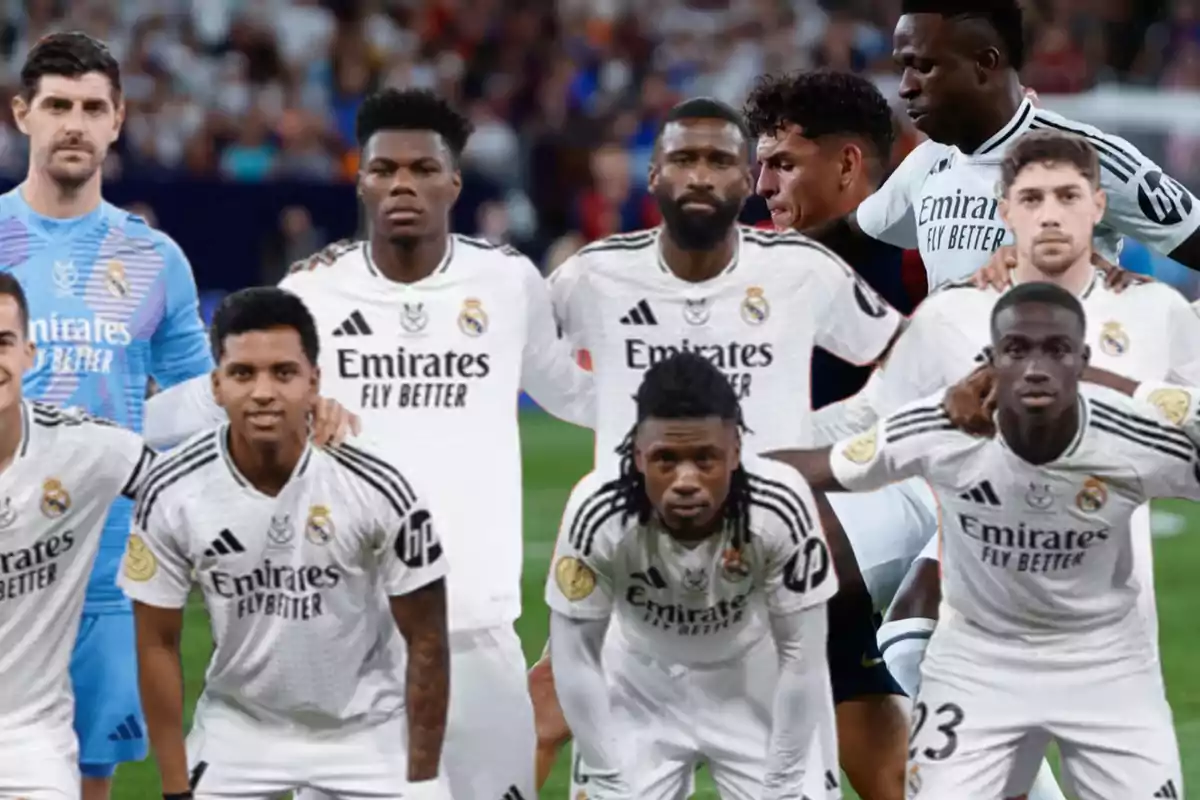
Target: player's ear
[215,377]
[29,355]
[316,379]
[20,110]
[851,163]
[1101,204]
[456,183]
[119,115]
[1087,355]
[1002,208]
[989,355]
[988,61]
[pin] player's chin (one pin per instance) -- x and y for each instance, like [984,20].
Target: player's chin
[74,173]
[689,518]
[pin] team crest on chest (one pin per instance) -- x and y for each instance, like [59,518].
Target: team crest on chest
[56,500]
[8,514]
[1039,496]
[413,317]
[1092,496]
[472,320]
[695,312]
[319,529]
[280,531]
[695,580]
[733,565]
[1113,339]
[755,308]
[115,280]
[65,275]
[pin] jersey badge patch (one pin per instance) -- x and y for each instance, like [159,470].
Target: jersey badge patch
[695,312]
[115,280]
[755,308]
[862,448]
[1113,339]
[1092,496]
[1173,403]
[319,528]
[472,320]
[733,565]
[414,317]
[575,579]
[140,563]
[56,500]
[280,531]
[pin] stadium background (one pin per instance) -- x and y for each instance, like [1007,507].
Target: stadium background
[239,145]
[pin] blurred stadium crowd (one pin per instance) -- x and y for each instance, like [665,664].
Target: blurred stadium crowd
[566,96]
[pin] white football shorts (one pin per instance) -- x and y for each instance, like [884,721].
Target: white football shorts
[887,529]
[39,765]
[491,743]
[678,717]
[989,705]
[232,756]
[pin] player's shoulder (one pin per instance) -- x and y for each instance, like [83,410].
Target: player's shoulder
[919,425]
[482,251]
[367,475]
[1119,158]
[780,499]
[773,243]
[956,297]
[141,236]
[334,264]
[925,159]
[72,427]
[616,250]
[184,472]
[501,263]
[595,511]
[1155,295]
[1116,421]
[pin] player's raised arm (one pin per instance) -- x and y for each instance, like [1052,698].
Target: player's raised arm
[579,593]
[156,575]
[179,347]
[414,577]
[888,214]
[549,372]
[853,321]
[800,582]
[180,412]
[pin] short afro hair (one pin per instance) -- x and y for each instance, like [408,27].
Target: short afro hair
[705,108]
[1039,293]
[823,103]
[261,308]
[1004,17]
[72,54]
[412,110]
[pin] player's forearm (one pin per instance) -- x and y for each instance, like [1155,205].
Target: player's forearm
[802,700]
[843,419]
[561,387]
[583,692]
[814,465]
[421,617]
[160,680]
[182,411]
[1110,380]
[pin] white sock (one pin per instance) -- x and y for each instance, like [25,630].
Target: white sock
[902,643]
[1045,787]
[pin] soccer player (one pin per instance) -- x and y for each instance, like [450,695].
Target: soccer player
[294,548]
[1051,199]
[689,542]
[430,337]
[756,303]
[61,471]
[1042,631]
[960,83]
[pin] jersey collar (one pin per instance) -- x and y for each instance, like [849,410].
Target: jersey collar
[441,267]
[1091,285]
[730,267]
[1014,128]
[240,479]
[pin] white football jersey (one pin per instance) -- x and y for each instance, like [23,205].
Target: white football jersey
[623,310]
[945,203]
[1147,332]
[295,585]
[698,604]
[435,369]
[1033,549]
[54,497]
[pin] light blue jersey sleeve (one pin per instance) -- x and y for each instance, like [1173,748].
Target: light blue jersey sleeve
[179,348]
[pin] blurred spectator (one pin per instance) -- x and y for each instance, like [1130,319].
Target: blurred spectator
[613,204]
[295,239]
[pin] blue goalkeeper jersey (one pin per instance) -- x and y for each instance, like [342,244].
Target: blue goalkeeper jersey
[112,302]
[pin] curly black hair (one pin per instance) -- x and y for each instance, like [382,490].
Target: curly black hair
[1004,17]
[822,103]
[71,54]
[412,110]
[683,386]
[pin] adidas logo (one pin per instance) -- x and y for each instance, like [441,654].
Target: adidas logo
[353,325]
[1168,791]
[224,545]
[651,577]
[641,314]
[513,793]
[129,730]
[982,493]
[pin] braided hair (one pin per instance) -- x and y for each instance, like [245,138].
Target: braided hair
[683,386]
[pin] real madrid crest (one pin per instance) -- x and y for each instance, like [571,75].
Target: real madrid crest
[472,320]
[733,565]
[413,317]
[1092,496]
[1113,339]
[115,280]
[56,500]
[319,529]
[755,308]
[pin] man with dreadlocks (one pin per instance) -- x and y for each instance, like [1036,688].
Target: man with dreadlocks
[688,543]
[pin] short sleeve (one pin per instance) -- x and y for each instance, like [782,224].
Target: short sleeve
[799,571]
[1184,332]
[893,450]
[549,372]
[915,366]
[156,569]
[1144,203]
[179,346]
[580,584]
[118,459]
[888,214]
[563,283]
[855,323]
[1168,434]
[180,412]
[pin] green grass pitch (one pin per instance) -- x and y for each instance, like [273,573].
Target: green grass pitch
[556,455]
